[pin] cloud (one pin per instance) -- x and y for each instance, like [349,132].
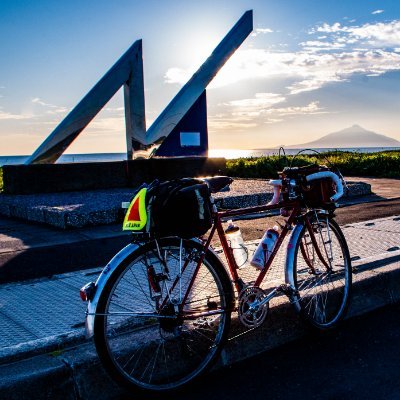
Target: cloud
[376,35]
[53,109]
[273,120]
[243,65]
[102,125]
[260,102]
[178,75]
[312,108]
[9,116]
[317,45]
[379,34]
[377,12]
[260,31]
[248,113]
[114,109]
[369,49]
[309,70]
[37,100]
[336,27]
[218,124]
[274,112]
[338,53]
[339,67]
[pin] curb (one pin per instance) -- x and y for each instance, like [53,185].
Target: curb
[76,373]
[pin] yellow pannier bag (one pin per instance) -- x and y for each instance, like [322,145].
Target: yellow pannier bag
[136,216]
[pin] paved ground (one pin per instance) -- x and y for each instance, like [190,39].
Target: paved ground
[356,362]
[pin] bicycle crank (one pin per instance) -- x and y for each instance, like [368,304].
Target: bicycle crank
[252,309]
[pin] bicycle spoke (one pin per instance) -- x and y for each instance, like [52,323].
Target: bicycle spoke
[151,339]
[322,296]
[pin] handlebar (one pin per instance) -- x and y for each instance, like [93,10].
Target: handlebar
[333,177]
[277,184]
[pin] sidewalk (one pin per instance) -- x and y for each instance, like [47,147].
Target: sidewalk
[42,321]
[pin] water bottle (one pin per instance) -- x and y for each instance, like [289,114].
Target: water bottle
[235,240]
[265,248]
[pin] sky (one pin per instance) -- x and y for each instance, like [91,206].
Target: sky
[308,69]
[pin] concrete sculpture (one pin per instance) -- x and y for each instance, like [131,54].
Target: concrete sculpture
[176,119]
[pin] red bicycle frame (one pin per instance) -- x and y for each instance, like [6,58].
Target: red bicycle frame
[217,226]
[296,211]
[294,206]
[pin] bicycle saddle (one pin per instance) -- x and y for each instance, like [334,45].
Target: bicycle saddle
[218,183]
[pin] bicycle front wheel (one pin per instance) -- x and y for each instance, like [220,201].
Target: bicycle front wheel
[321,274]
[163,317]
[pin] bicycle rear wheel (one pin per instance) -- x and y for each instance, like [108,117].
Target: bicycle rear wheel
[145,336]
[321,275]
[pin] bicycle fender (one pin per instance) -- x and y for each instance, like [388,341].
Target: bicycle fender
[290,255]
[100,284]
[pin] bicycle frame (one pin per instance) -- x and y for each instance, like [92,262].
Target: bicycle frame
[296,212]
[295,206]
[218,216]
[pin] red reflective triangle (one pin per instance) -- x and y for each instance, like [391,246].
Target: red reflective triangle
[134,212]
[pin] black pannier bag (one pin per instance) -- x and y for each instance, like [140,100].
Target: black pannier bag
[180,207]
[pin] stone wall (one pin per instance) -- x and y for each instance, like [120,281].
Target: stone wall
[54,178]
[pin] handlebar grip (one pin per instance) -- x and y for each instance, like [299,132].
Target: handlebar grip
[330,175]
[277,184]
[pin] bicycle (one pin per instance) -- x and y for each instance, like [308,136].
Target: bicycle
[161,309]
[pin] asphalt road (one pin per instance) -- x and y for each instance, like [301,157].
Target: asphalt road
[254,228]
[358,360]
[365,211]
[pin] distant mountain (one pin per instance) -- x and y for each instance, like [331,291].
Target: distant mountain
[355,136]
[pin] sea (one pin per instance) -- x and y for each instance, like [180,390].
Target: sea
[227,153]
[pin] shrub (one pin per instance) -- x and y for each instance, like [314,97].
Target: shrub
[381,164]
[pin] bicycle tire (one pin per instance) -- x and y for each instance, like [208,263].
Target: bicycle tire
[322,294]
[153,354]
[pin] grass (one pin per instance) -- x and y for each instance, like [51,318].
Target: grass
[384,164]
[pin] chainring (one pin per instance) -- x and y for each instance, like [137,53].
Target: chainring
[251,314]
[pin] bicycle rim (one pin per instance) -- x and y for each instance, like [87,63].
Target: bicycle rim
[322,274]
[145,338]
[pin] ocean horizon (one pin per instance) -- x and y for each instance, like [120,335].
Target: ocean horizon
[227,153]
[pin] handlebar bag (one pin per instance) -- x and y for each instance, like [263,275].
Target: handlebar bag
[316,193]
